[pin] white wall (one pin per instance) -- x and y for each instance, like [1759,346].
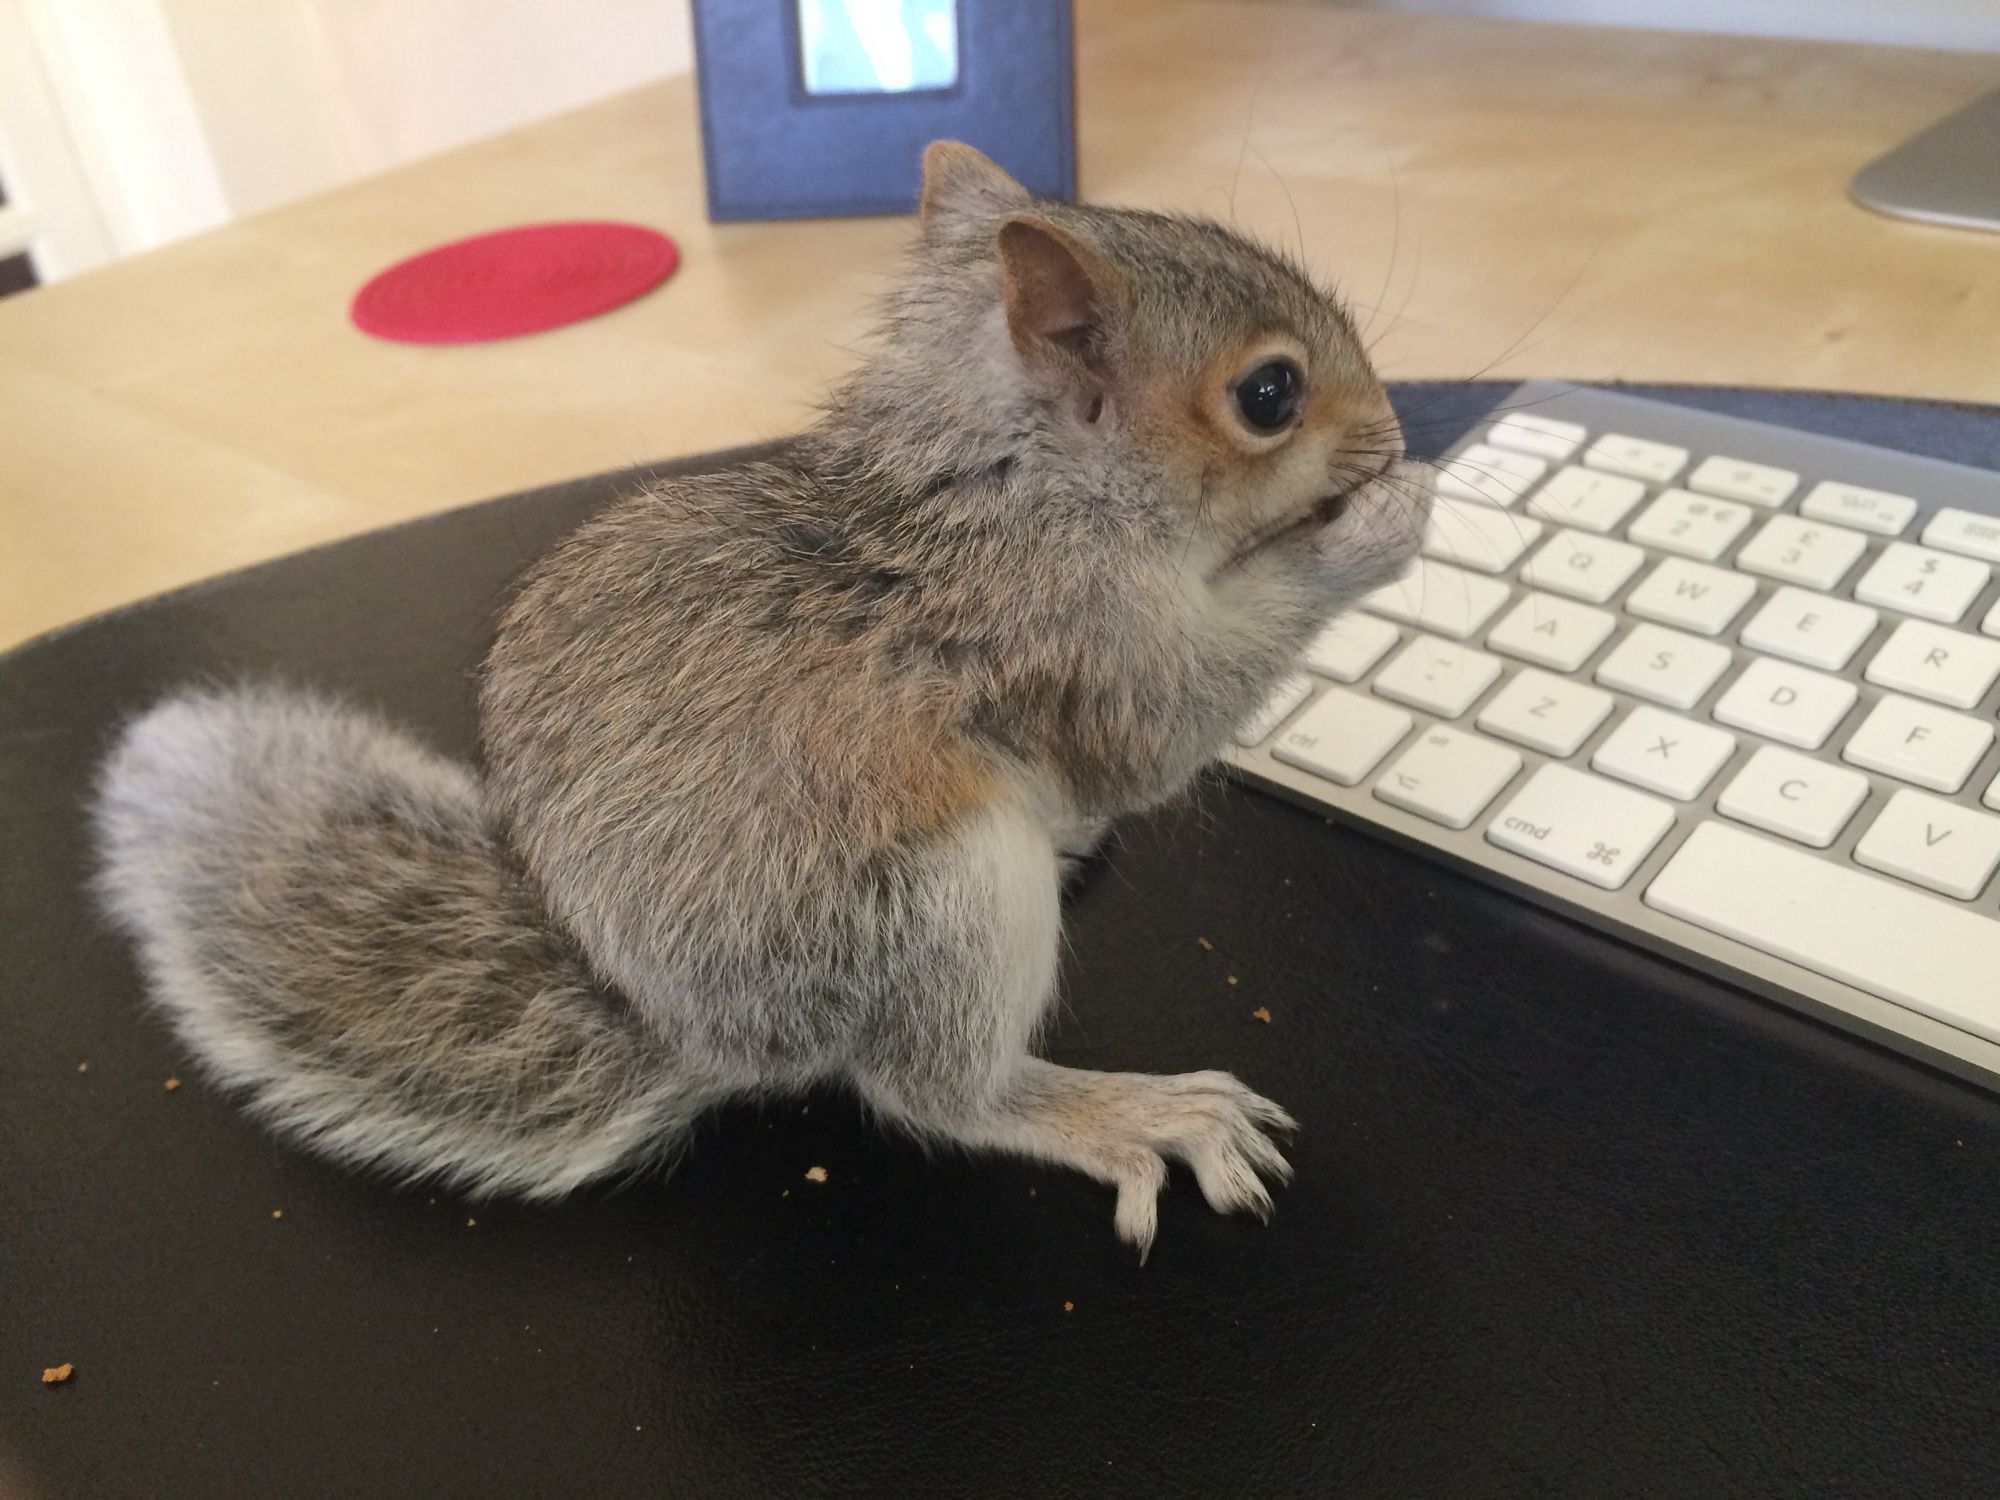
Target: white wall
[50,212]
[184,114]
[296,95]
[1972,25]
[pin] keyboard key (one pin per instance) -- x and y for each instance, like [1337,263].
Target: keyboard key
[1919,742]
[1690,524]
[1448,776]
[1788,703]
[1448,601]
[1582,825]
[1590,568]
[1347,648]
[1991,624]
[1664,666]
[1880,937]
[1919,581]
[1802,552]
[1552,632]
[1478,536]
[1946,666]
[1664,753]
[1546,713]
[1966,532]
[1933,843]
[1586,499]
[1851,505]
[1797,795]
[1287,696]
[1489,475]
[1343,736]
[1642,459]
[1531,432]
[1810,628]
[1992,797]
[1692,595]
[1739,479]
[1440,676]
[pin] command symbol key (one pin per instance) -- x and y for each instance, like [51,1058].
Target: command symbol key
[1582,825]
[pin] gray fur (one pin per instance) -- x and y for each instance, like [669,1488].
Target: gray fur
[784,764]
[331,925]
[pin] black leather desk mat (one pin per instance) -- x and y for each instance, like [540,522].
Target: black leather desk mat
[1567,1220]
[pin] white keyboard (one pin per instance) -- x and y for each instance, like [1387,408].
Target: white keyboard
[1725,689]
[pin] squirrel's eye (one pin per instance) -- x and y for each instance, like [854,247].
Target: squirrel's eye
[1268,396]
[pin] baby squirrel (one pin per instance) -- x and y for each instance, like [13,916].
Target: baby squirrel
[783,764]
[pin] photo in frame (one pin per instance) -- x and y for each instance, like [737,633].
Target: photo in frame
[822,108]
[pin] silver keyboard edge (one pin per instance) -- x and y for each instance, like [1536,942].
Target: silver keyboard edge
[1623,913]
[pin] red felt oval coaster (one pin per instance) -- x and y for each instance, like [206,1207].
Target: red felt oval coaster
[513,281]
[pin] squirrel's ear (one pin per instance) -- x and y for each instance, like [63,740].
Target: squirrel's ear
[1057,289]
[961,183]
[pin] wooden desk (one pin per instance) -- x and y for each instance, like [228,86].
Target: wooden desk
[1515,199]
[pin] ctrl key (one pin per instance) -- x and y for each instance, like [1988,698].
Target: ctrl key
[1342,737]
[1582,825]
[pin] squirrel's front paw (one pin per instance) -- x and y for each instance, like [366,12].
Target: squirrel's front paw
[1218,1127]
[1123,1128]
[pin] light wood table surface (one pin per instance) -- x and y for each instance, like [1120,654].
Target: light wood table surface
[1502,198]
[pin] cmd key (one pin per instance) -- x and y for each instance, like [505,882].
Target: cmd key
[1582,825]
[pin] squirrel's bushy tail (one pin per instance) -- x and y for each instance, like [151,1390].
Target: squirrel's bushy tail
[324,910]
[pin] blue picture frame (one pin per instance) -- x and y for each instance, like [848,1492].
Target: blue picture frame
[773,150]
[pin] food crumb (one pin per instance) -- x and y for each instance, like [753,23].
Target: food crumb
[786,1193]
[172,1084]
[1031,1192]
[83,1067]
[1069,1307]
[1232,979]
[1206,945]
[1263,1014]
[815,1174]
[277,1213]
[471,1223]
[57,1374]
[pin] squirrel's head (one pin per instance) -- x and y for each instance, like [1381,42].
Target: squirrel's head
[1194,373]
